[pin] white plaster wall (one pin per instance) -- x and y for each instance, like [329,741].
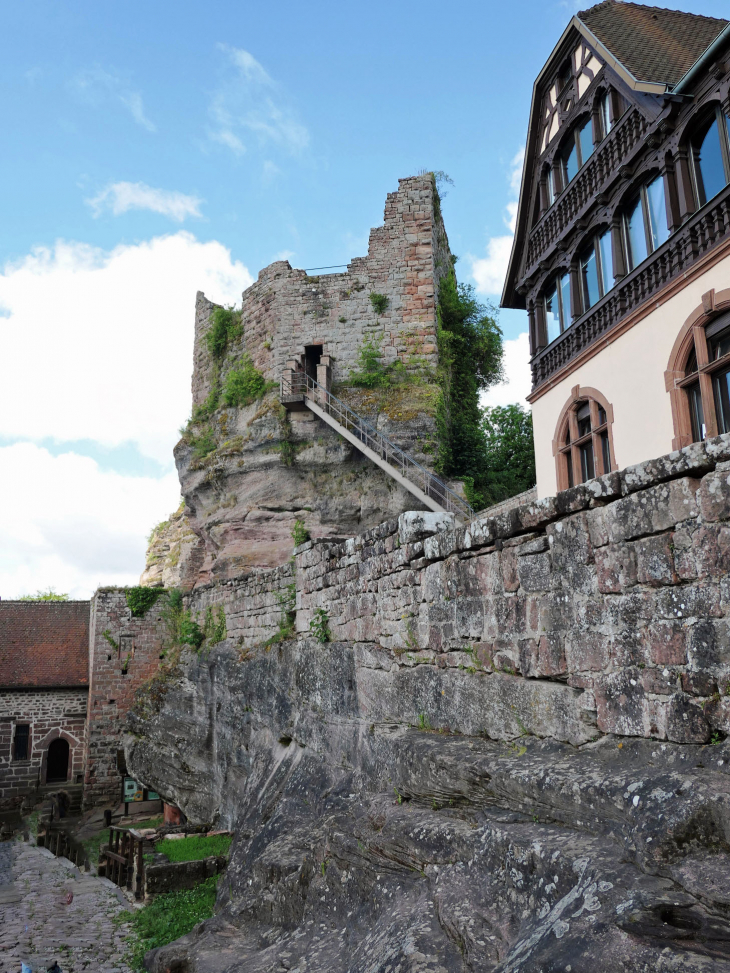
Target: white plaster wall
[630,373]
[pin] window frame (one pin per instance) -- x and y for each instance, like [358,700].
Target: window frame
[574,139]
[564,314]
[594,244]
[698,182]
[568,445]
[643,197]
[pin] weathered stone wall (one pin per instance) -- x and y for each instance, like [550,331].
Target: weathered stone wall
[50,713]
[610,601]
[286,309]
[116,671]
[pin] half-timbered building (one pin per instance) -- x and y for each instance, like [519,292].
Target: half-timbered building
[622,247]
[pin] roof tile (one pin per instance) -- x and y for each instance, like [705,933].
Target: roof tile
[654,44]
[44,644]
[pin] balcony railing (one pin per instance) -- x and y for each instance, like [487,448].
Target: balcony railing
[606,160]
[433,486]
[699,234]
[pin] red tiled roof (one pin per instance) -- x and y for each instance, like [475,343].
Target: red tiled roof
[654,44]
[44,644]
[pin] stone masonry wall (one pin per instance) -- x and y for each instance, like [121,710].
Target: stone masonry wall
[50,713]
[115,674]
[608,604]
[286,309]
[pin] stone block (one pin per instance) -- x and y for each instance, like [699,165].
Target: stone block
[620,703]
[692,459]
[551,655]
[708,643]
[666,643]
[714,496]
[616,568]
[660,682]
[685,721]
[655,560]
[587,651]
[650,511]
[718,448]
[414,525]
[535,572]
[699,683]
[717,713]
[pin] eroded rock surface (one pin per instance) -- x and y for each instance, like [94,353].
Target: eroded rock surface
[365,843]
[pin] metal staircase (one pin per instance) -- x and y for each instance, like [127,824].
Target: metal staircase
[300,390]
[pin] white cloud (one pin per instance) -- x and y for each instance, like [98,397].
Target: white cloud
[517,385]
[489,272]
[98,344]
[96,86]
[68,525]
[252,103]
[123,196]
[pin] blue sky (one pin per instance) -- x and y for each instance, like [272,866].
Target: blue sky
[152,149]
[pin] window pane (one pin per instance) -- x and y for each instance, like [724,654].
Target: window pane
[570,158]
[635,234]
[697,415]
[657,212]
[583,417]
[552,314]
[551,186]
[606,452]
[722,401]
[605,113]
[604,245]
[585,137]
[589,277]
[720,345]
[709,157]
[20,742]
[601,416]
[587,471]
[565,300]
[569,461]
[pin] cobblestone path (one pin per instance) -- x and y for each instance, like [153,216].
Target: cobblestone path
[38,926]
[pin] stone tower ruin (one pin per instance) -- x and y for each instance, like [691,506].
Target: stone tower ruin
[265,466]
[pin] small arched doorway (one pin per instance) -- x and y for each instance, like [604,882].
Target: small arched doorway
[57,765]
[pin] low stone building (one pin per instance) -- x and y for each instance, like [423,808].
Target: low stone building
[44,686]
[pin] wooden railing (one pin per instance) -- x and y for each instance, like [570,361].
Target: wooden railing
[122,860]
[433,486]
[699,234]
[582,190]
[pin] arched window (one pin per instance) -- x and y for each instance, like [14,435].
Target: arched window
[711,157]
[583,444]
[557,307]
[645,222]
[596,269]
[698,374]
[577,150]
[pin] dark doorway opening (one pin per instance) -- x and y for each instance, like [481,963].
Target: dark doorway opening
[312,355]
[57,766]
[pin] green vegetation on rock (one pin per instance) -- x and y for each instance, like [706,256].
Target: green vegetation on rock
[140,599]
[225,328]
[245,384]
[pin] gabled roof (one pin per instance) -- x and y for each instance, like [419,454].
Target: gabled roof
[652,43]
[653,50]
[44,644]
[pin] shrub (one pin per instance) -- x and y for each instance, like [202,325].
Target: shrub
[214,626]
[300,533]
[380,303]
[225,328]
[203,444]
[140,600]
[319,626]
[244,384]
[371,374]
[190,633]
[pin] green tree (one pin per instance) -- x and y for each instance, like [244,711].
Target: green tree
[509,453]
[48,595]
[470,352]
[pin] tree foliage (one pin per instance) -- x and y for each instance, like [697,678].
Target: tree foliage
[470,353]
[510,452]
[48,595]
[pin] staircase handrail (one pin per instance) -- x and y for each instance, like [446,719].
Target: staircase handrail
[432,485]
